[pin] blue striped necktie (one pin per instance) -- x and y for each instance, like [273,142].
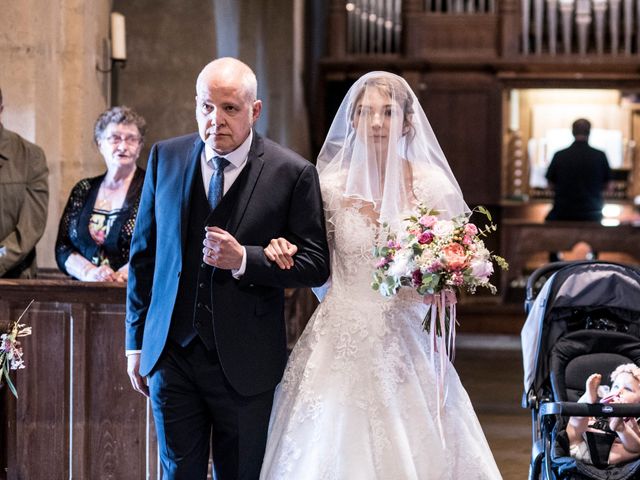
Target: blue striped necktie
[216,184]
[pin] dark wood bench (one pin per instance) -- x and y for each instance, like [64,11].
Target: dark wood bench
[520,240]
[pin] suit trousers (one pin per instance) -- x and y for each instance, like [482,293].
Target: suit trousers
[196,411]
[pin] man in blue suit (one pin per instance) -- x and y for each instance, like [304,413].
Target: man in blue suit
[205,326]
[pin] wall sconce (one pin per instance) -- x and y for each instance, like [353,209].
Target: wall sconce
[117,52]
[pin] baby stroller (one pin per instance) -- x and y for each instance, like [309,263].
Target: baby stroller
[584,319]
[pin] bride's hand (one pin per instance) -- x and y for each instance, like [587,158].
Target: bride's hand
[281,251]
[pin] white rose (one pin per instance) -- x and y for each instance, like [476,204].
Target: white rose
[400,264]
[442,228]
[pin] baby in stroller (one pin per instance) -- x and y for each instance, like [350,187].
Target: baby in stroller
[607,441]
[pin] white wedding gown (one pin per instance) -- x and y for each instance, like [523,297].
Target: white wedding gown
[358,398]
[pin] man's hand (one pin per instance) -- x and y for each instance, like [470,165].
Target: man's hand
[221,249]
[133,369]
[281,251]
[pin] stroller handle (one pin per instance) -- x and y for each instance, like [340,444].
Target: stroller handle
[537,275]
[577,409]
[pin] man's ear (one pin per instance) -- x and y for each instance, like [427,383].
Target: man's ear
[256,109]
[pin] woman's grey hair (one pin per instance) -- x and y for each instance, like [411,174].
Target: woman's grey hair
[119,115]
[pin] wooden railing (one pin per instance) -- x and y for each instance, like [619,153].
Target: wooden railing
[522,239]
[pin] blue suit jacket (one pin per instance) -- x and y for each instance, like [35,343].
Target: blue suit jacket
[281,198]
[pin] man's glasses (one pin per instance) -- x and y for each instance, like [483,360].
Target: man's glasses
[128,139]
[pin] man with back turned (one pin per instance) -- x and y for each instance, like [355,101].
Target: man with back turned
[578,175]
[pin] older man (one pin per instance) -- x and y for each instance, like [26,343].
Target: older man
[205,325]
[24,197]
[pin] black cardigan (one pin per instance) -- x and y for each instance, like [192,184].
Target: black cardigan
[73,232]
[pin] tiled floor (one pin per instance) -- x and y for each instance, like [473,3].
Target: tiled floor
[491,371]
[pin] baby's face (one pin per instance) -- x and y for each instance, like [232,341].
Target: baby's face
[626,389]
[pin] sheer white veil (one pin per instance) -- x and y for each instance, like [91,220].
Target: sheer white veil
[381,149]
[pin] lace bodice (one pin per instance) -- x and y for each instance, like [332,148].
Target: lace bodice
[354,230]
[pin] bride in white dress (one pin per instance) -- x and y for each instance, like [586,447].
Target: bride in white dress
[358,399]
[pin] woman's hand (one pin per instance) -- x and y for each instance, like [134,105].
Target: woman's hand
[122,274]
[281,251]
[103,273]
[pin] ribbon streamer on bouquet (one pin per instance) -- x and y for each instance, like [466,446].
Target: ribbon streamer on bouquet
[443,344]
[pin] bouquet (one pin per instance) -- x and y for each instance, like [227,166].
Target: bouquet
[11,351]
[438,258]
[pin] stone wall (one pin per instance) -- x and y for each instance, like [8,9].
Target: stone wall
[51,52]
[52,91]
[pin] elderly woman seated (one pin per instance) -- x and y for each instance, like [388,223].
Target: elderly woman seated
[97,224]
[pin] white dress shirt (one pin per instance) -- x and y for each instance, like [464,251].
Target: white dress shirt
[237,161]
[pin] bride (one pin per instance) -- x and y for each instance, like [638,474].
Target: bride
[358,399]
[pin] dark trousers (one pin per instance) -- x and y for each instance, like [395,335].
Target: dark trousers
[196,411]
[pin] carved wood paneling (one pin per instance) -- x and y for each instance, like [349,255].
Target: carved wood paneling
[77,415]
[464,111]
[435,35]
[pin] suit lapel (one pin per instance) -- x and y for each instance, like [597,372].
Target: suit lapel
[254,167]
[193,162]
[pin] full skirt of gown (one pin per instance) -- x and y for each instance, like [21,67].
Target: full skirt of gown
[359,397]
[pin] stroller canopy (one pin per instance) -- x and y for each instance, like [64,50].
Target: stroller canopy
[584,286]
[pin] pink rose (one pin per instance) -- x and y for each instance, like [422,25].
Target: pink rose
[455,256]
[457,278]
[482,270]
[381,263]
[427,220]
[470,229]
[434,267]
[425,238]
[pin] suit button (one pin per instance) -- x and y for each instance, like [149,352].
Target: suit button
[201,285]
[199,305]
[202,265]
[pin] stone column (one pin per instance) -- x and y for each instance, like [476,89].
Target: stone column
[52,90]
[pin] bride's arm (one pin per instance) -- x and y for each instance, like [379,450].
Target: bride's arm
[281,251]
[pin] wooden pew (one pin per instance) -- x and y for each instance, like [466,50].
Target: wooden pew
[77,415]
[521,239]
